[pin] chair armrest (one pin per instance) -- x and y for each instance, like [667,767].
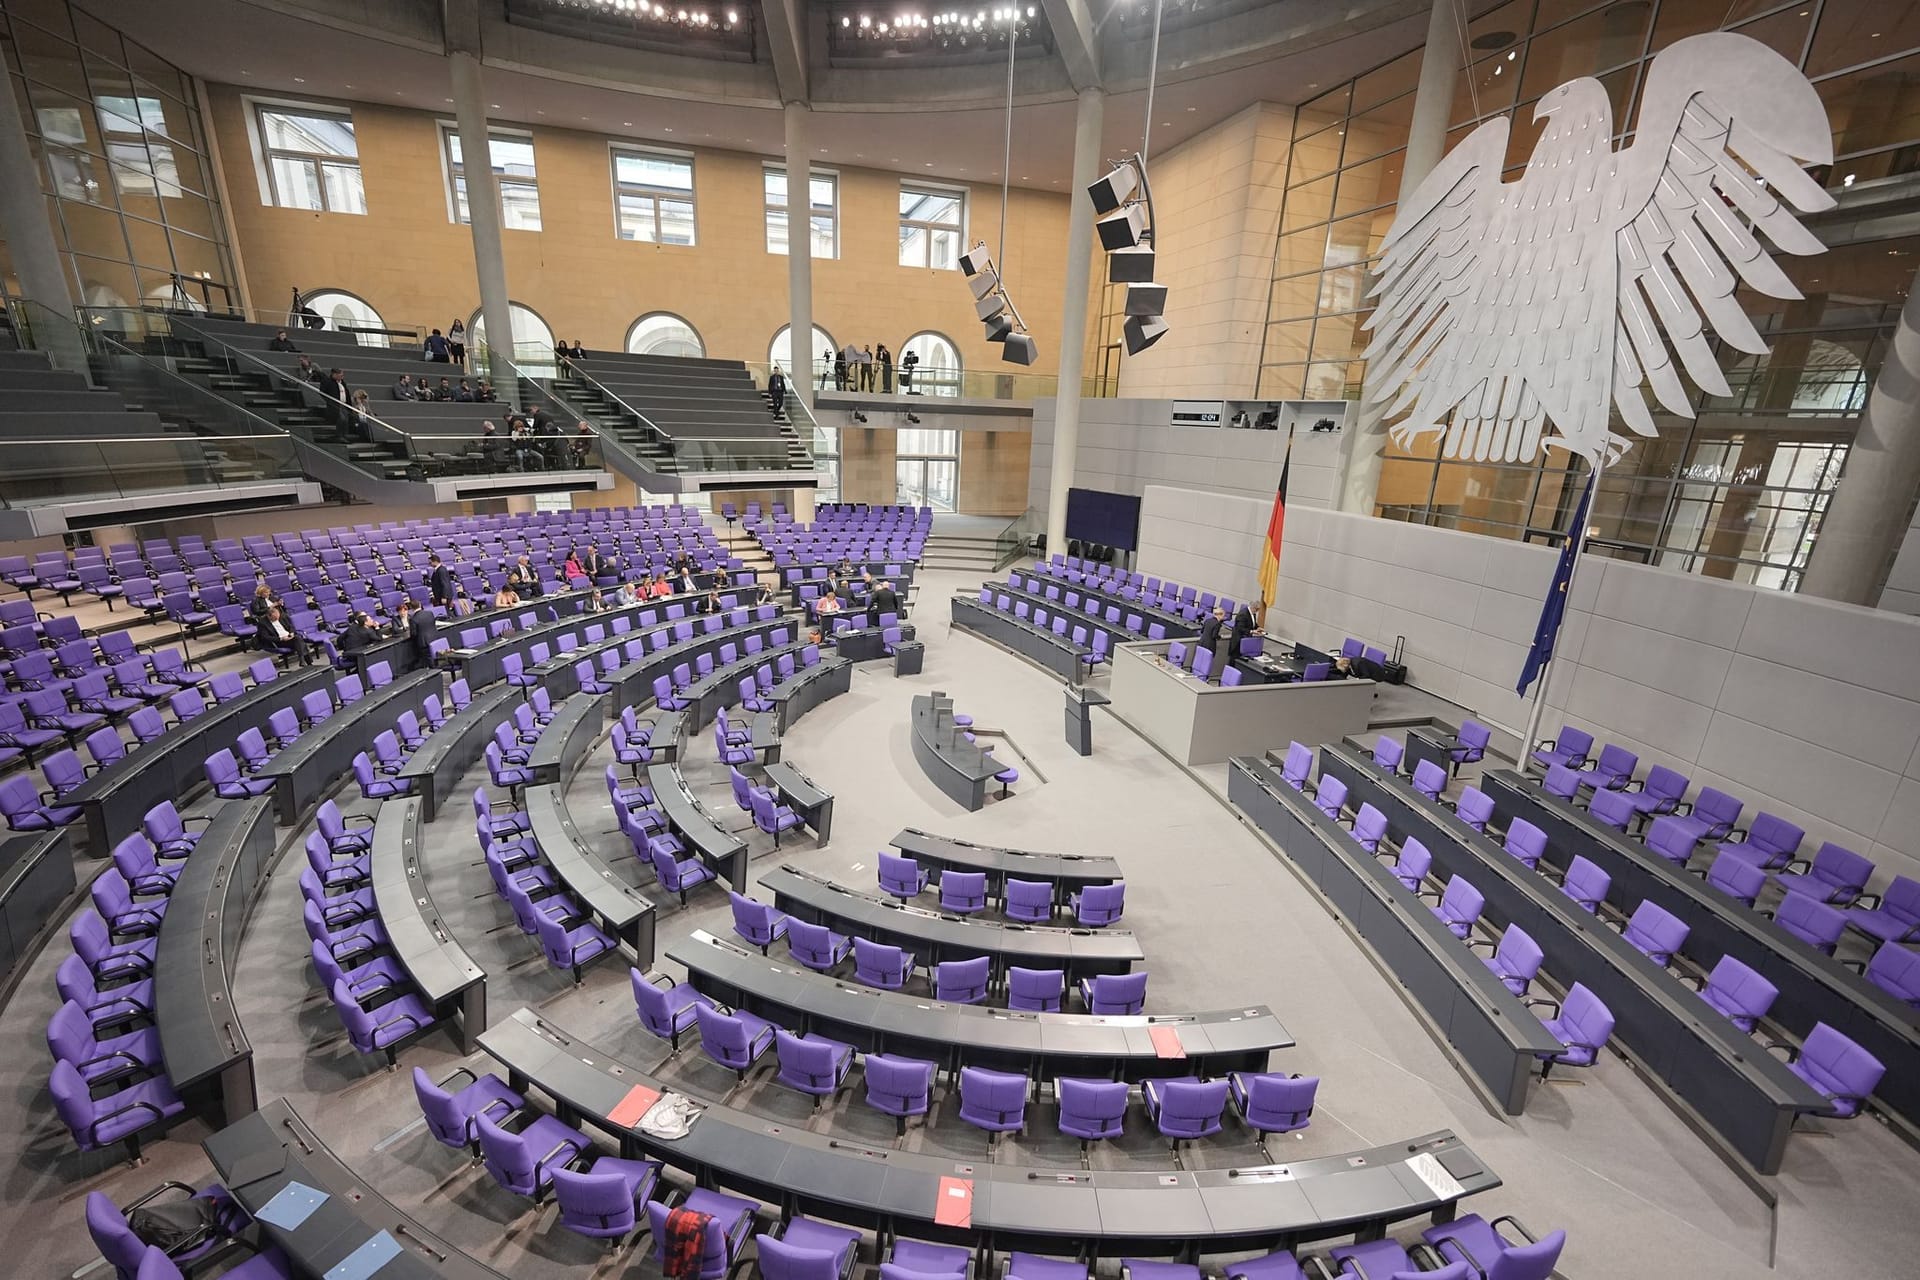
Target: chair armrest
[407,1018]
[1858,966]
[363,819]
[157,1191]
[1694,980]
[93,1128]
[1795,866]
[1793,1050]
[1532,1002]
[1861,902]
[133,1063]
[1474,944]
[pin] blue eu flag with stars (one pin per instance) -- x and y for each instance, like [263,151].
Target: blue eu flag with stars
[1554,607]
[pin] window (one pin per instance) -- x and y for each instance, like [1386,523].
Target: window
[927,467]
[664,334]
[780,352]
[653,197]
[824,211]
[512,156]
[532,339]
[346,313]
[140,165]
[937,373]
[312,159]
[932,222]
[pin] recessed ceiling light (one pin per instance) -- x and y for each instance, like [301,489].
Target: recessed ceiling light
[929,164]
[626,124]
[299,80]
[663,130]
[1193,108]
[446,99]
[494,106]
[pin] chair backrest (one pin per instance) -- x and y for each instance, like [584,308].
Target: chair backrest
[1895,969]
[1461,901]
[723,1036]
[1583,1014]
[1720,811]
[1810,920]
[1474,807]
[1525,842]
[1736,877]
[1841,868]
[1519,955]
[1739,991]
[1534,1261]
[1774,834]
[963,890]
[600,1204]
[1369,826]
[1611,808]
[1299,766]
[1101,903]
[1836,1065]
[1035,989]
[1575,744]
[1388,753]
[1118,993]
[1561,781]
[1586,883]
[1429,779]
[1672,838]
[1192,1106]
[1656,931]
[962,980]
[1665,783]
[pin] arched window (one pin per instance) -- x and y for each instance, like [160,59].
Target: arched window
[938,373]
[664,334]
[780,352]
[343,311]
[532,339]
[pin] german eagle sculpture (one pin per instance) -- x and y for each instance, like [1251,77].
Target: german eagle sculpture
[1531,309]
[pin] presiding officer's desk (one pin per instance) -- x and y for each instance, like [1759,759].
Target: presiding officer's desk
[1496,1036]
[201,1040]
[1067,872]
[1185,1213]
[1718,1074]
[258,1156]
[308,767]
[1057,654]
[437,766]
[440,967]
[933,936]
[958,767]
[1200,723]
[567,738]
[1813,987]
[617,907]
[718,848]
[1044,1046]
[36,877]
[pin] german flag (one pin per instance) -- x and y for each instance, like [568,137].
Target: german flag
[1270,549]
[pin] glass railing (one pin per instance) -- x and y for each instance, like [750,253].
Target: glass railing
[577,375]
[424,454]
[932,382]
[1011,542]
[39,472]
[529,358]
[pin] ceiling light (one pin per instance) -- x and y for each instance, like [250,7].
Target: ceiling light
[302,80]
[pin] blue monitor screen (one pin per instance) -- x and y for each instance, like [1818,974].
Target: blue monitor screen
[1111,519]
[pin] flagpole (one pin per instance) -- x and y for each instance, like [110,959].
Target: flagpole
[1579,536]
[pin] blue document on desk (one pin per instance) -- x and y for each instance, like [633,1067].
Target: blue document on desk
[292,1205]
[365,1260]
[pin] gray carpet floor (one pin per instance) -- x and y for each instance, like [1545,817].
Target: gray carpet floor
[1223,922]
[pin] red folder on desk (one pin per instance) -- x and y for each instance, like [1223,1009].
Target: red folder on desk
[1166,1042]
[627,1112]
[955,1206]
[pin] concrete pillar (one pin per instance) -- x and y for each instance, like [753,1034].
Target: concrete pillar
[802,506]
[483,204]
[1073,311]
[36,254]
[1440,62]
[803,378]
[1868,514]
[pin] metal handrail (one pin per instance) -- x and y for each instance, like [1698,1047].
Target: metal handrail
[573,369]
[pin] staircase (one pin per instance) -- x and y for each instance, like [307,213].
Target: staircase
[614,421]
[961,553]
[799,457]
[258,393]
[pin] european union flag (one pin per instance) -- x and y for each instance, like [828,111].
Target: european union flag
[1555,605]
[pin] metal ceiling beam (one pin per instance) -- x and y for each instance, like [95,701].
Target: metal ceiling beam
[785,22]
[1074,37]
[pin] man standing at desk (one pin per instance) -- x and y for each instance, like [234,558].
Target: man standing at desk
[1210,635]
[416,625]
[883,599]
[1247,620]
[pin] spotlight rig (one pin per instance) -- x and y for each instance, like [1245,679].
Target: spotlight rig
[991,303]
[1124,201]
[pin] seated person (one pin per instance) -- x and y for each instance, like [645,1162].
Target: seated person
[281,342]
[404,389]
[506,597]
[484,394]
[463,394]
[444,391]
[661,587]
[627,594]
[283,639]
[827,605]
[581,445]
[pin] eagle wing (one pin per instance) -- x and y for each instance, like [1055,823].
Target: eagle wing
[1433,263]
[1725,124]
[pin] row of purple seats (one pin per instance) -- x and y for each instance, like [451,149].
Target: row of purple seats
[377,1003]
[568,938]
[1027,901]
[1092,653]
[1828,1060]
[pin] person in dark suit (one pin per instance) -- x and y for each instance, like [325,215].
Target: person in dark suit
[281,342]
[416,624]
[595,564]
[1245,623]
[882,599]
[1210,633]
[441,587]
[524,581]
[360,636]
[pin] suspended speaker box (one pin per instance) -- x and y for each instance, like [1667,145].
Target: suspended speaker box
[1146,299]
[1130,266]
[976,260]
[1107,193]
[1121,229]
[1020,348]
[1142,332]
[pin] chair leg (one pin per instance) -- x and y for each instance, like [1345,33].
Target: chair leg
[899,1126]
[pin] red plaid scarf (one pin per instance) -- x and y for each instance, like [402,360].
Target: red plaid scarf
[686,1242]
